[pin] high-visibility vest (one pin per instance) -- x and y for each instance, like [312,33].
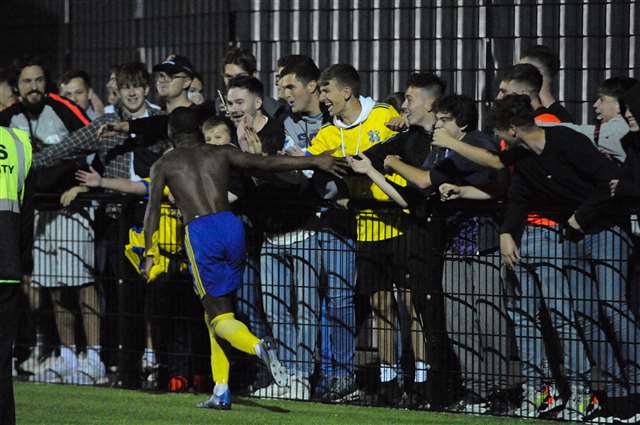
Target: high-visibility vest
[15,163]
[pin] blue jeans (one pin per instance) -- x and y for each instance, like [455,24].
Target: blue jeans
[339,264]
[249,303]
[597,268]
[541,283]
[290,277]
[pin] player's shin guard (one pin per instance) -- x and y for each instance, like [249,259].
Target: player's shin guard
[227,327]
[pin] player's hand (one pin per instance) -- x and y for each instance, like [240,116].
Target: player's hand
[112,129]
[72,194]
[398,123]
[89,178]
[362,166]
[442,138]
[449,192]
[389,160]
[336,166]
[509,250]
[613,185]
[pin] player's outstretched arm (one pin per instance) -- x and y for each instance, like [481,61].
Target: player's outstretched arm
[324,162]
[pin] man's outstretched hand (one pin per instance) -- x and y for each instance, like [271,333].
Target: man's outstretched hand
[336,166]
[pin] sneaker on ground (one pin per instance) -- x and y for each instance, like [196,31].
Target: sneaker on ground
[549,399]
[90,371]
[343,388]
[267,353]
[222,402]
[299,389]
[575,407]
[470,403]
[54,369]
[33,361]
[271,391]
[528,408]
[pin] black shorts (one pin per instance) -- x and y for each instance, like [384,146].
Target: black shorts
[401,261]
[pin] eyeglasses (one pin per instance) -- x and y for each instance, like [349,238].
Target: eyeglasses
[167,77]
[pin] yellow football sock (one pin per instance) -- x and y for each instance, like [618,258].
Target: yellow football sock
[219,361]
[227,327]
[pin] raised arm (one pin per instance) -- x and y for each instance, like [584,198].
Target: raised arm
[417,176]
[152,214]
[325,162]
[364,166]
[93,179]
[472,153]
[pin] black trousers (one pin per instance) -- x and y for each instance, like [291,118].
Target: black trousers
[8,329]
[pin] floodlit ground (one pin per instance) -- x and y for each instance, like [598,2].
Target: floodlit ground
[65,404]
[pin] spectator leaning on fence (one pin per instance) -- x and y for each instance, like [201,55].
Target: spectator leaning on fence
[562,171]
[413,146]
[358,124]
[299,82]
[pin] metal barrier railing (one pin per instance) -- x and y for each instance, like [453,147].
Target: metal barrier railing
[419,312]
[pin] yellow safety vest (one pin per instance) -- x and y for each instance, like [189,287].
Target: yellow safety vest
[15,163]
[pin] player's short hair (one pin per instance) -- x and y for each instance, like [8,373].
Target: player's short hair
[133,74]
[512,110]
[242,58]
[184,120]
[526,74]
[543,54]
[344,75]
[462,109]
[252,84]
[303,67]
[428,81]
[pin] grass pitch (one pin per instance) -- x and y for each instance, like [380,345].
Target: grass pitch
[65,405]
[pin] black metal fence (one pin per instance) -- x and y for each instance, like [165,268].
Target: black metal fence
[464,41]
[427,318]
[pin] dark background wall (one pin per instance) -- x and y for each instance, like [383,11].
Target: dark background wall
[463,40]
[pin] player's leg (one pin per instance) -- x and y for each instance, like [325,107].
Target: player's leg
[221,397]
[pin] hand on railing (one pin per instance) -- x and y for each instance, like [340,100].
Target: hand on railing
[509,250]
[71,194]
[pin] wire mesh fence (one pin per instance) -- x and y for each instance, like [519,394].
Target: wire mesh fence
[415,312]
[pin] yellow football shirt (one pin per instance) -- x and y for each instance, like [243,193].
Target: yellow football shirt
[352,141]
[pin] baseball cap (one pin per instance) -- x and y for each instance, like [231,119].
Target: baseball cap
[175,64]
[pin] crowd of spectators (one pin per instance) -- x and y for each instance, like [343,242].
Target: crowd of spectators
[501,282]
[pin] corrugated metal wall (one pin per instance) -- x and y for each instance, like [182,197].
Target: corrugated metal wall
[463,40]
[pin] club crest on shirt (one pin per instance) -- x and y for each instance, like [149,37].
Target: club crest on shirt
[374,136]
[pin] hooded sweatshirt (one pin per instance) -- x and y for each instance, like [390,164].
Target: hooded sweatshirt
[367,130]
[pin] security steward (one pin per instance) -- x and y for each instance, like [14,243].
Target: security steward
[15,252]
